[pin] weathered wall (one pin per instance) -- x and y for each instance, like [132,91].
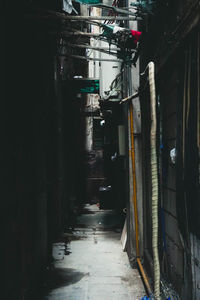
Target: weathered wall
[131,86]
[173,43]
[173,255]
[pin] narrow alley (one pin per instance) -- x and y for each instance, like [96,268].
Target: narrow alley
[93,266]
[100,150]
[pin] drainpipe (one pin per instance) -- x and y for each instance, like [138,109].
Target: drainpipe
[138,258]
[154,178]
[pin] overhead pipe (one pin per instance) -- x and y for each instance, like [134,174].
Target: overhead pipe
[135,95]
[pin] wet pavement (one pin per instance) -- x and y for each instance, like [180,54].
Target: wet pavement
[93,266]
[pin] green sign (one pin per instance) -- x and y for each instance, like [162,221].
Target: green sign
[89,1]
[86,86]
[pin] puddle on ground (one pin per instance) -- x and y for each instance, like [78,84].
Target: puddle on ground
[59,250]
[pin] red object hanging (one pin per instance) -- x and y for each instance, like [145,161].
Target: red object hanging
[136,35]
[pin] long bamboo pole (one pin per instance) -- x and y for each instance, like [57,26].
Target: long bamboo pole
[102,18]
[90,58]
[93,47]
[105,50]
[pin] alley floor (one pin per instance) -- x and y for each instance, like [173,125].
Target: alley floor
[93,267]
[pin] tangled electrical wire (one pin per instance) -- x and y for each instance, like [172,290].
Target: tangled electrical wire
[111,12]
[115,86]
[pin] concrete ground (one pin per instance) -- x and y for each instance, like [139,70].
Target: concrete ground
[93,267]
